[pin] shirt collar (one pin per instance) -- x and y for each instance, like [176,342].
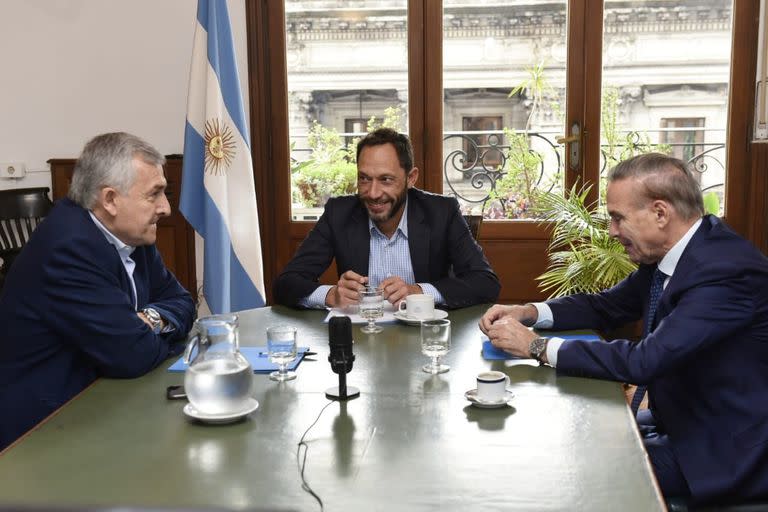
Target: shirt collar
[669,262]
[402,225]
[123,249]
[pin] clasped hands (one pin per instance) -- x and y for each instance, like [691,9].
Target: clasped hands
[347,291]
[506,327]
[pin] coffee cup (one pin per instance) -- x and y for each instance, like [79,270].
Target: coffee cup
[492,386]
[419,306]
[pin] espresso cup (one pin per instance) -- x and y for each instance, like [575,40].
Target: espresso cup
[419,306]
[492,386]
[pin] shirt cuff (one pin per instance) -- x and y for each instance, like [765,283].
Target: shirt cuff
[428,289]
[545,319]
[316,300]
[552,347]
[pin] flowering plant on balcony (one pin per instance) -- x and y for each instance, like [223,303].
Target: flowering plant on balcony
[331,170]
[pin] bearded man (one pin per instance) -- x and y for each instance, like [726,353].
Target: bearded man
[391,235]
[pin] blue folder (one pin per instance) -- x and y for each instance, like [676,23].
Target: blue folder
[258,358]
[491,353]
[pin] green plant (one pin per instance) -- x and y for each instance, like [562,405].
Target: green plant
[618,145]
[711,203]
[583,257]
[329,172]
[517,189]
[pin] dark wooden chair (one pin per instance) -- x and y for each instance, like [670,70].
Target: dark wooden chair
[474,222]
[21,210]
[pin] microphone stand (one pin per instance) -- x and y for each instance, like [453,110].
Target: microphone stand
[341,392]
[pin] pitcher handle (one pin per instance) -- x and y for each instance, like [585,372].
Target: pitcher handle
[192,342]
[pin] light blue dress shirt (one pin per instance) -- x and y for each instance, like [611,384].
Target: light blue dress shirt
[123,250]
[388,257]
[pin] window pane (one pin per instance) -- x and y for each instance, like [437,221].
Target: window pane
[504,93]
[666,67]
[347,71]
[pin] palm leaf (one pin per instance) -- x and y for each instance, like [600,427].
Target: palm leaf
[583,257]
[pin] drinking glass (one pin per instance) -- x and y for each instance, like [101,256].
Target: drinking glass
[281,346]
[371,308]
[435,342]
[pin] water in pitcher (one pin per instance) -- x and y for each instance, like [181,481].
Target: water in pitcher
[220,385]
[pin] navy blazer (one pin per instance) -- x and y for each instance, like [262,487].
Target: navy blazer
[443,251]
[68,317]
[705,363]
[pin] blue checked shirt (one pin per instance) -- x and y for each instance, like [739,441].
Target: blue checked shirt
[388,257]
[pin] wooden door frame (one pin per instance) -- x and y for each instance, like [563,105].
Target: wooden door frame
[747,209]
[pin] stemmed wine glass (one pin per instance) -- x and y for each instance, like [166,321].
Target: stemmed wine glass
[281,346]
[371,308]
[435,342]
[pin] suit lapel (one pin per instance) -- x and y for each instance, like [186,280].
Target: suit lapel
[685,266]
[358,230]
[418,239]
[110,255]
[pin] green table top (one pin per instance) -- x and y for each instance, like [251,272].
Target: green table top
[410,442]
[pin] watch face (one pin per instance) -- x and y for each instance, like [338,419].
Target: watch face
[537,347]
[154,317]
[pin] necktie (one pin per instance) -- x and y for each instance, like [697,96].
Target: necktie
[657,286]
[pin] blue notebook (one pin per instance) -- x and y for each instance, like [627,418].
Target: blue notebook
[491,353]
[258,358]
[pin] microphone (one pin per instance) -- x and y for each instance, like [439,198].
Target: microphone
[341,357]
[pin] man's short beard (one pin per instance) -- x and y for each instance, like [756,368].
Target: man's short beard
[397,203]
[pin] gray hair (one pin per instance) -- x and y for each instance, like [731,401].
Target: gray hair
[666,178]
[107,161]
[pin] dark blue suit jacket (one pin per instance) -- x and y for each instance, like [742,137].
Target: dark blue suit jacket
[705,363]
[443,252]
[68,317]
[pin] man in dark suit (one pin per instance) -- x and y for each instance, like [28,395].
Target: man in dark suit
[390,235]
[89,296]
[704,356]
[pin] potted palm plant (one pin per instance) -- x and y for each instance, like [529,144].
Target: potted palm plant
[584,258]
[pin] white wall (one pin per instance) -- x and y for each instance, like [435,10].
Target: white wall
[71,69]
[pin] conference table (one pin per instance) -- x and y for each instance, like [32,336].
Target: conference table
[411,441]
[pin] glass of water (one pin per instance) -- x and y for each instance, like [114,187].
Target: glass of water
[371,308]
[435,343]
[281,346]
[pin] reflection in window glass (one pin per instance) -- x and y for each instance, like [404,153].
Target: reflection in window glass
[504,93]
[666,68]
[347,71]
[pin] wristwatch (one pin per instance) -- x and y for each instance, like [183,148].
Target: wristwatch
[154,318]
[537,348]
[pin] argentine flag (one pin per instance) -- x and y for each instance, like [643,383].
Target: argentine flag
[217,193]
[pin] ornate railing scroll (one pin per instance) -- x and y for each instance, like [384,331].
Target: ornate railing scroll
[481,169]
[477,173]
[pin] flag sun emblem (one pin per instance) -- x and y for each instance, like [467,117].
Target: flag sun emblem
[219,147]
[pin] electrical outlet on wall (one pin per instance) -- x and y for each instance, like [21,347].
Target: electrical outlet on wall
[12,170]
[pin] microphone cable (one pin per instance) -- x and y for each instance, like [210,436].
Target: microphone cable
[301,461]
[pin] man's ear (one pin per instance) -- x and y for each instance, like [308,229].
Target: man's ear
[108,200]
[413,175]
[662,212]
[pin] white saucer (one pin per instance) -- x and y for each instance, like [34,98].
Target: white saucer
[191,412]
[439,315]
[471,395]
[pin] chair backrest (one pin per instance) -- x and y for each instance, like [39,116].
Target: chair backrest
[21,210]
[474,222]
